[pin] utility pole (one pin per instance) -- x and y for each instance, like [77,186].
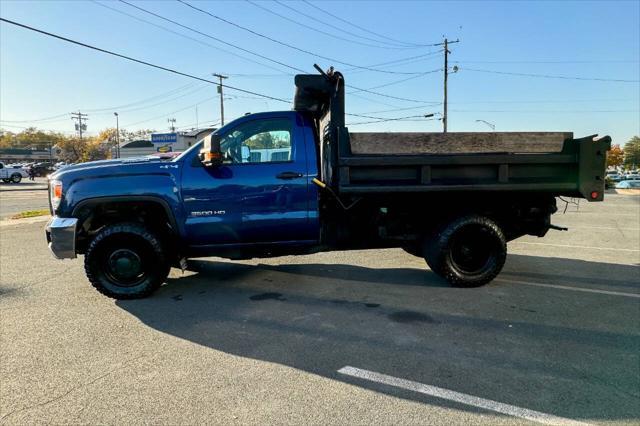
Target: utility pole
[117,135]
[80,117]
[220,77]
[446,44]
[172,126]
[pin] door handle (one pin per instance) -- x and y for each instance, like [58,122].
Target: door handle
[289,175]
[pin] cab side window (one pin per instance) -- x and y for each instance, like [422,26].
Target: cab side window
[258,141]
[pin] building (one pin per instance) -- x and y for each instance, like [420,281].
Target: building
[24,155]
[161,142]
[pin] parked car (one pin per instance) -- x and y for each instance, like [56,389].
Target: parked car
[628,184]
[614,176]
[42,169]
[12,174]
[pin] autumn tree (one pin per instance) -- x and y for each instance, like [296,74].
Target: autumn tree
[632,153]
[615,156]
[30,137]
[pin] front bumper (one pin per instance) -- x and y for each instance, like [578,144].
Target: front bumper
[61,236]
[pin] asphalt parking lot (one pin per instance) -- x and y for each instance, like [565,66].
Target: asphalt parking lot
[364,337]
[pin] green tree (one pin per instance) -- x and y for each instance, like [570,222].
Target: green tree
[632,153]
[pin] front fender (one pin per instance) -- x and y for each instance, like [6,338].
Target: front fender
[157,187]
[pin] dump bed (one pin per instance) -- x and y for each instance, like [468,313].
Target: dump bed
[552,162]
[386,163]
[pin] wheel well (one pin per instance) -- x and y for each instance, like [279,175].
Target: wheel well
[95,215]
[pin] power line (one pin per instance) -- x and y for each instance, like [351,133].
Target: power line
[397,109]
[282,43]
[403,61]
[397,81]
[281,63]
[381,120]
[38,119]
[362,28]
[137,60]
[563,77]
[547,111]
[137,18]
[209,36]
[552,62]
[30,127]
[169,113]
[331,26]
[164,101]
[143,101]
[99,111]
[182,73]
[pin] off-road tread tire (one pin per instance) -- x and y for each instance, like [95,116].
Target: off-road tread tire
[437,251]
[138,230]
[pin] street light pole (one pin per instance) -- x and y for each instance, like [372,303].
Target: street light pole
[117,135]
[491,125]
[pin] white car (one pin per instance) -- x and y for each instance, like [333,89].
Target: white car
[12,174]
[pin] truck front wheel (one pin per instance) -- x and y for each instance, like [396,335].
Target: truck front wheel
[16,178]
[126,261]
[468,252]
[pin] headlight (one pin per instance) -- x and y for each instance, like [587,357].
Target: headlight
[55,193]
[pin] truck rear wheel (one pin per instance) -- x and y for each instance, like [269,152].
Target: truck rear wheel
[16,178]
[468,252]
[126,261]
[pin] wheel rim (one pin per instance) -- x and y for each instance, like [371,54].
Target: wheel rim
[16,178]
[472,250]
[125,268]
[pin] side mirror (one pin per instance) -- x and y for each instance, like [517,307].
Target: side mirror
[210,154]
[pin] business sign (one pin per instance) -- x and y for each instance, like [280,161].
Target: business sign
[164,148]
[164,138]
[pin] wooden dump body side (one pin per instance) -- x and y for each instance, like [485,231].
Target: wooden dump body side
[457,143]
[551,162]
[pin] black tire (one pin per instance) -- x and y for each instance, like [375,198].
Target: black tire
[126,261]
[16,178]
[468,252]
[7,180]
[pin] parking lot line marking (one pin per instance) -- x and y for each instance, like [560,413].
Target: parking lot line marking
[462,398]
[565,287]
[610,228]
[574,246]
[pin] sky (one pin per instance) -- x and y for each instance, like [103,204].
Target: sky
[594,46]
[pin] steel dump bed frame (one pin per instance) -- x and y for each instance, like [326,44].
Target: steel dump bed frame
[384,163]
[577,170]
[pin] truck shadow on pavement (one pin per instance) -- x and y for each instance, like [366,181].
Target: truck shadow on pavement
[566,353]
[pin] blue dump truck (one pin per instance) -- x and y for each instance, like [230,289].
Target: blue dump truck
[298,182]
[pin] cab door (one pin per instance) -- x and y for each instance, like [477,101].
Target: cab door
[260,192]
